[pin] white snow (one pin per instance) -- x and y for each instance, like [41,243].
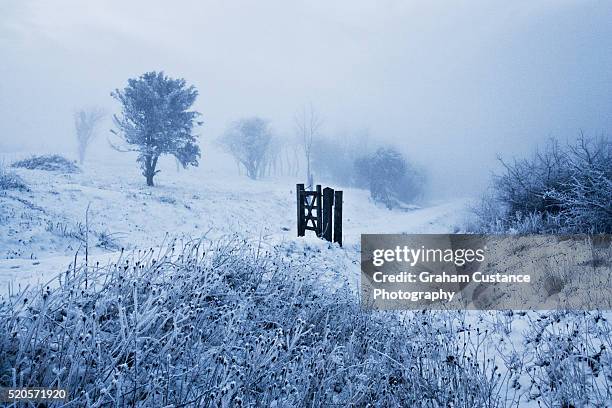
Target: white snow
[190,203]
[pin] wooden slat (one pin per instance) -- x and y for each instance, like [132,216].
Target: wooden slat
[318,199]
[300,209]
[338,217]
[326,221]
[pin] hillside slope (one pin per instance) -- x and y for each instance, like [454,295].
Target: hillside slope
[47,226]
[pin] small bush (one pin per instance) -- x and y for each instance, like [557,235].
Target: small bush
[10,180]
[52,162]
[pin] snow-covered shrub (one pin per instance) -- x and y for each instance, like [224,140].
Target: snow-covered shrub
[227,325]
[585,200]
[491,218]
[523,184]
[391,179]
[560,189]
[9,180]
[49,162]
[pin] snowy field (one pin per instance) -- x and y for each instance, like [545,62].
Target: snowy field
[209,201]
[43,232]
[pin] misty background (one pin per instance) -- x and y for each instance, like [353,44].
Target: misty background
[451,86]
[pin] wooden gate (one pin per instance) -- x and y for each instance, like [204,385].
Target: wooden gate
[321,212]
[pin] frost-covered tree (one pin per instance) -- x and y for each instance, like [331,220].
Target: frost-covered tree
[249,141]
[85,123]
[156,119]
[389,177]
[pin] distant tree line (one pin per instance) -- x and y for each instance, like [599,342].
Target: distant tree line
[391,179]
[157,118]
[561,188]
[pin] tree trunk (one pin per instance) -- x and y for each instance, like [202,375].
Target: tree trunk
[149,169]
[252,170]
[309,176]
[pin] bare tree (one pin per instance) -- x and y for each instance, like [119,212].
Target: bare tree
[307,126]
[85,122]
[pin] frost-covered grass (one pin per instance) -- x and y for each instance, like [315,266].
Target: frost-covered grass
[228,324]
[85,235]
[568,359]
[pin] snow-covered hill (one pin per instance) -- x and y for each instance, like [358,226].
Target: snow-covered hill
[44,228]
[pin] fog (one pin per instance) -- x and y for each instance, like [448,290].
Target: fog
[451,84]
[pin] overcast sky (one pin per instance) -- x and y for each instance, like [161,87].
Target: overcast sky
[452,83]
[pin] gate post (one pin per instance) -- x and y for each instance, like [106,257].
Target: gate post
[338,218]
[328,202]
[318,199]
[301,230]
